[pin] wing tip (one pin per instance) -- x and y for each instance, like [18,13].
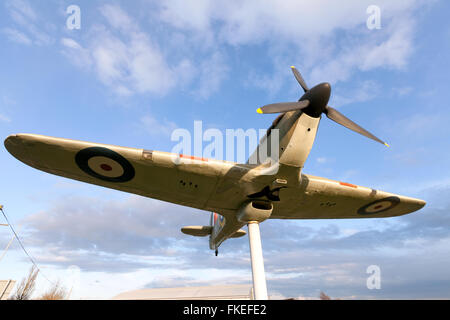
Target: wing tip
[259,110]
[412,204]
[11,141]
[421,203]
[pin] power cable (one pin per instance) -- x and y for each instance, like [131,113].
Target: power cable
[22,246]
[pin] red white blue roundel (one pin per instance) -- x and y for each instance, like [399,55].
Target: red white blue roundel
[104,164]
[379,206]
[220,218]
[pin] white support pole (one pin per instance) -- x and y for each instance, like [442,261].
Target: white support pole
[256,256]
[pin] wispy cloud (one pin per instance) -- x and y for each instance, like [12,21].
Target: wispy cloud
[130,61]
[30,27]
[212,72]
[322,160]
[6,103]
[17,36]
[299,28]
[361,92]
[365,51]
[124,57]
[21,11]
[156,127]
[76,53]
[4,118]
[402,91]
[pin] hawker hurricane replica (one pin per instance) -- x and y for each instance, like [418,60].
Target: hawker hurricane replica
[237,194]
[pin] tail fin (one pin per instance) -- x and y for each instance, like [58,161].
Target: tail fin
[217,222]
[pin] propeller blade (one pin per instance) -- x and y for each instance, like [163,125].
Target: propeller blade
[283,107]
[299,78]
[338,117]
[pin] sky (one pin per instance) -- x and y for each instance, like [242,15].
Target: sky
[134,71]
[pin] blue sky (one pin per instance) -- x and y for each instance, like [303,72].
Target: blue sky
[136,71]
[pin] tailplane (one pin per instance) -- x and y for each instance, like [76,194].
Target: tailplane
[218,231]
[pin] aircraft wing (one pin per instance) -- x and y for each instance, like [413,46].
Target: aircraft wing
[164,176]
[321,198]
[204,184]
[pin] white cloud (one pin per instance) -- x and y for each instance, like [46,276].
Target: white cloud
[194,16]
[118,18]
[212,73]
[130,61]
[361,92]
[134,220]
[133,61]
[391,48]
[17,36]
[256,21]
[329,39]
[402,91]
[421,126]
[124,58]
[8,104]
[4,118]
[70,43]
[34,29]
[272,83]
[157,127]
[21,11]
[136,238]
[76,53]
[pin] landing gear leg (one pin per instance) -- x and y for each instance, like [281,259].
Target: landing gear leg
[217,252]
[259,276]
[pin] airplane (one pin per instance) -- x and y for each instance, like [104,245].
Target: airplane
[237,194]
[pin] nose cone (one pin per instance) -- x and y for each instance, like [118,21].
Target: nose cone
[323,90]
[318,97]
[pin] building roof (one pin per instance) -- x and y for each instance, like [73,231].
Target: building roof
[6,287]
[223,292]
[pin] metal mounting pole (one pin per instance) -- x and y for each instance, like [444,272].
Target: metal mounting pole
[256,256]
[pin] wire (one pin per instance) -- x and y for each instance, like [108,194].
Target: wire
[22,246]
[7,247]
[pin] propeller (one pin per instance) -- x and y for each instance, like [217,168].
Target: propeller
[299,78]
[315,102]
[283,107]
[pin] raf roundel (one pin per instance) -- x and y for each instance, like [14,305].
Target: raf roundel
[379,206]
[104,164]
[221,221]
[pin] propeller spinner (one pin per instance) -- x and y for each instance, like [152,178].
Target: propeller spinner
[315,102]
